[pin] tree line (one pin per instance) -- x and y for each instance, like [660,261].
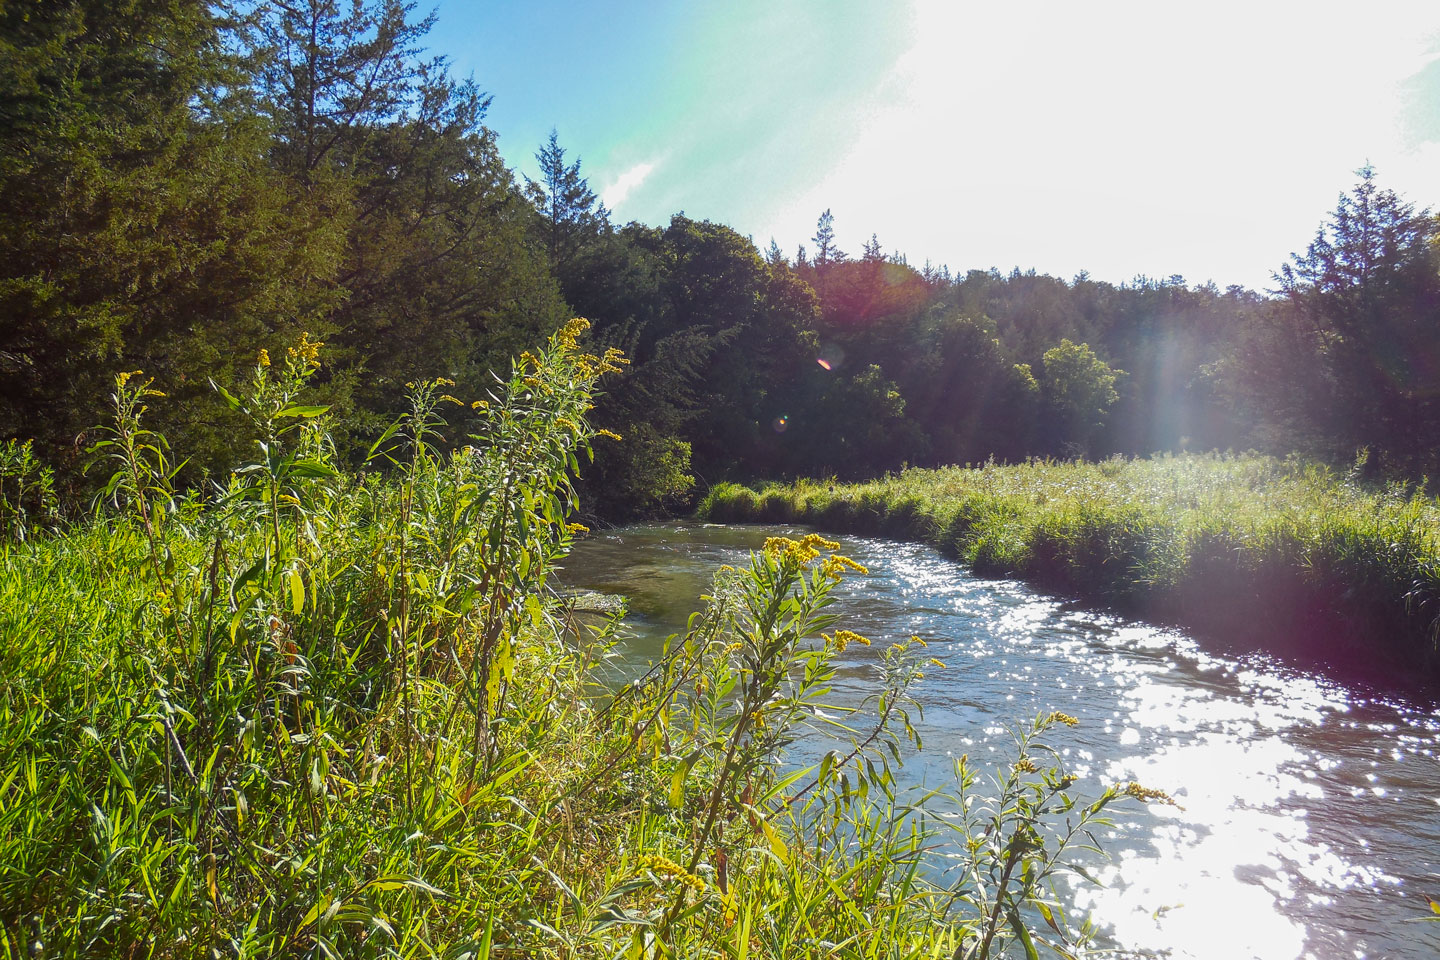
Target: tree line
[183,183]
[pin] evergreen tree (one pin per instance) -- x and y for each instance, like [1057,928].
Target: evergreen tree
[826,251]
[1368,286]
[140,226]
[567,204]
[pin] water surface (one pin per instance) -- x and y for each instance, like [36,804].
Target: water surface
[1310,825]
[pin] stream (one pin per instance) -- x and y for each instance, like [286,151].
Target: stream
[1309,819]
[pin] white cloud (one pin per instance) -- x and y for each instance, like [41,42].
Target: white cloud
[625,184]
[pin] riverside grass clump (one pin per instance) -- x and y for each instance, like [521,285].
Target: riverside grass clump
[340,713]
[1285,553]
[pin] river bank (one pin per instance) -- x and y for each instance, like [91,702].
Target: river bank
[1306,824]
[1282,555]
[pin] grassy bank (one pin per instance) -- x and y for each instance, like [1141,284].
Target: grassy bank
[1282,554]
[334,713]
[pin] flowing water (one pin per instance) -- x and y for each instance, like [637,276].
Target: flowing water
[1310,825]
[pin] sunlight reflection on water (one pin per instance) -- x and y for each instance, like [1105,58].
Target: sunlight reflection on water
[1309,814]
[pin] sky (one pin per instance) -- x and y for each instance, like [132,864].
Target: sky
[1158,138]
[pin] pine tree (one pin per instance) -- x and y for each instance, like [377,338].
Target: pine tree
[568,205]
[826,252]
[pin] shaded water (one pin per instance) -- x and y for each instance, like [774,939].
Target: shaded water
[1310,825]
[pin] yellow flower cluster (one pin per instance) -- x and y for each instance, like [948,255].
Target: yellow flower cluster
[480,405]
[1026,765]
[306,352]
[577,528]
[1148,794]
[843,639]
[589,365]
[568,424]
[834,566]
[798,553]
[571,332]
[1065,718]
[665,867]
[608,433]
[446,397]
[263,360]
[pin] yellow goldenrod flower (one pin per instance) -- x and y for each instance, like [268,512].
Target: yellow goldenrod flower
[577,528]
[608,433]
[1026,765]
[306,352]
[263,360]
[1065,718]
[665,867]
[834,566]
[1148,794]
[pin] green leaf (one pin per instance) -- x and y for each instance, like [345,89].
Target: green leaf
[1023,935]
[303,411]
[225,395]
[297,591]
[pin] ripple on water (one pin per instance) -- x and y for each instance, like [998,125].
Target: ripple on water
[1309,818]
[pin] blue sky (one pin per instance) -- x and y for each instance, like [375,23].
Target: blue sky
[1204,139]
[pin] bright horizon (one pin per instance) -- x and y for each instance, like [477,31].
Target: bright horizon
[1125,139]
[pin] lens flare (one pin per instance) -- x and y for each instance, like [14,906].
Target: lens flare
[823,362]
[780,423]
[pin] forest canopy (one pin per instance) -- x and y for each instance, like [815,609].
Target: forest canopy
[185,184]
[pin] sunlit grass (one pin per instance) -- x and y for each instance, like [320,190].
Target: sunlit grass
[327,713]
[1281,551]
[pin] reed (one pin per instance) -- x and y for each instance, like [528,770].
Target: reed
[341,713]
[1285,554]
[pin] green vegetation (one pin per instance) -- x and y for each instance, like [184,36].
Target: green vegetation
[1279,552]
[329,712]
[182,183]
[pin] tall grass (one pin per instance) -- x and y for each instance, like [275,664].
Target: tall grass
[340,713]
[1283,553]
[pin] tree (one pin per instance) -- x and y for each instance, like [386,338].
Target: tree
[1077,390]
[826,252]
[437,272]
[1368,290]
[140,223]
[567,204]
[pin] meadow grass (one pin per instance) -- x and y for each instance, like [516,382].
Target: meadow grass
[1284,554]
[328,712]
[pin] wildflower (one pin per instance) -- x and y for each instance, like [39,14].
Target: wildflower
[263,360]
[665,867]
[608,433]
[569,333]
[480,405]
[935,662]
[843,639]
[834,565]
[577,528]
[306,352]
[1148,794]
[1065,718]
[1026,765]
[568,424]
[450,399]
